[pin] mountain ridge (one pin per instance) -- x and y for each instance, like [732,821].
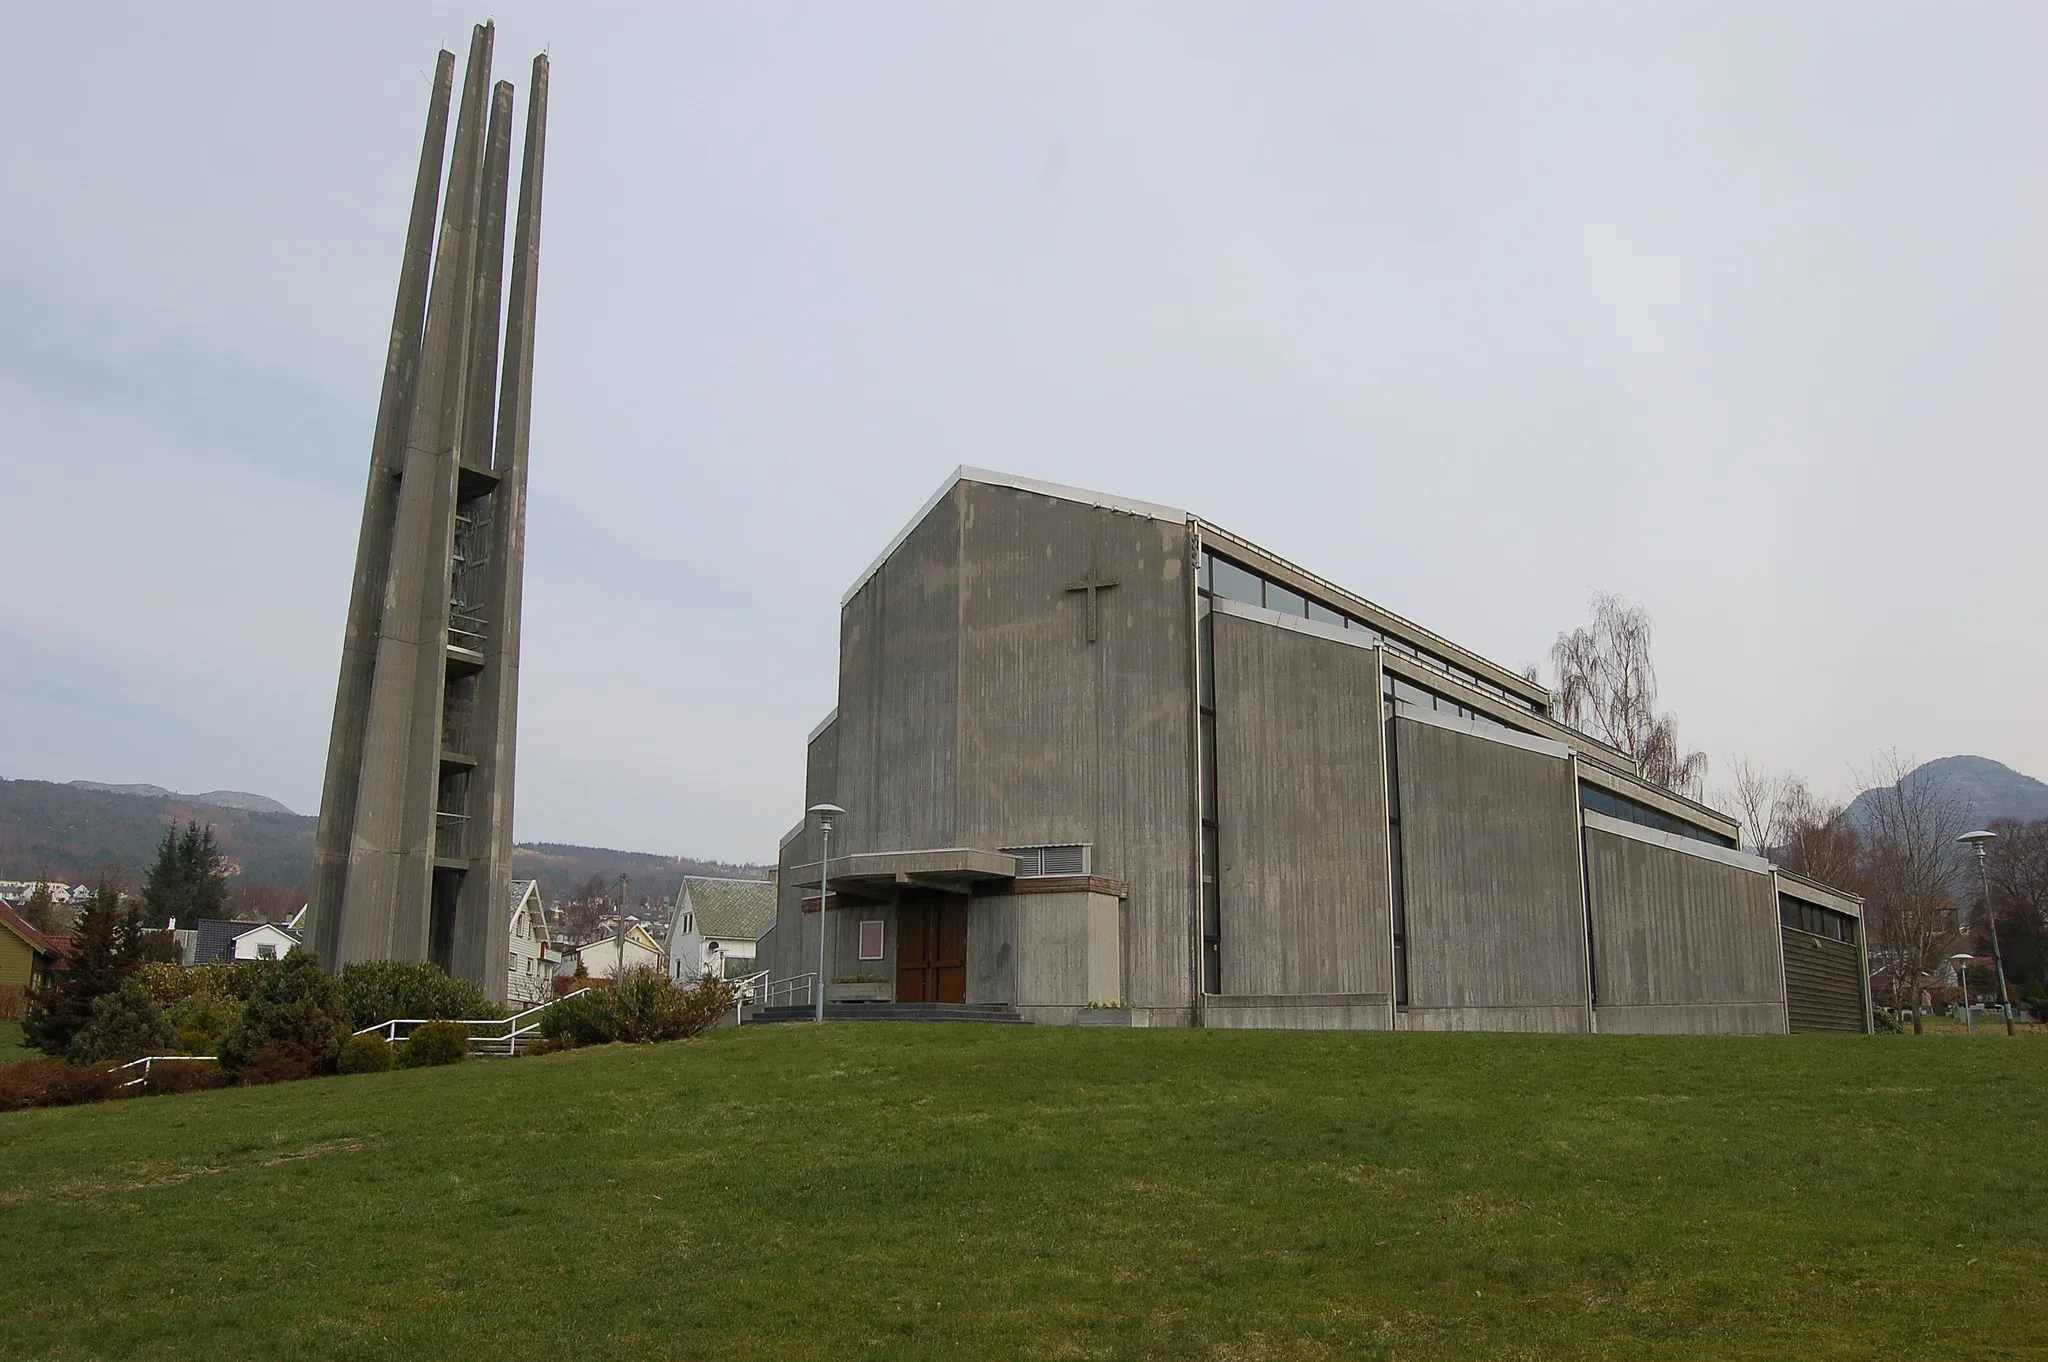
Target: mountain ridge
[80,830]
[1988,790]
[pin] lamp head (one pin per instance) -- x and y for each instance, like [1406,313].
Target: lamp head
[825,813]
[1978,839]
[1962,955]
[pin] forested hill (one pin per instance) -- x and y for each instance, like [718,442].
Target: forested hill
[77,834]
[1986,789]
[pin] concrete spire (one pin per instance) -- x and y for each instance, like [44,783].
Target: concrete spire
[413,860]
[373,547]
[497,706]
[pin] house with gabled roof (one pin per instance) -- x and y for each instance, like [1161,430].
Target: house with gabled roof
[231,941]
[534,959]
[26,955]
[718,926]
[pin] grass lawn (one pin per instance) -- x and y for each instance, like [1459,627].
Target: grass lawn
[868,1190]
[11,1047]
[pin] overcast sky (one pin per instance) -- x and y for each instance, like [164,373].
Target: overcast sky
[1739,311]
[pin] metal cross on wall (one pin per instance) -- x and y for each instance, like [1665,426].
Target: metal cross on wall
[1091,584]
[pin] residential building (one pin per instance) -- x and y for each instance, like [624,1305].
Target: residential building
[534,959]
[231,941]
[717,926]
[604,957]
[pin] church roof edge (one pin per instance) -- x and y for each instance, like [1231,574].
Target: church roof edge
[991,478]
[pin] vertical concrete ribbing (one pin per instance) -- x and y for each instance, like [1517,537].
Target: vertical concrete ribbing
[373,547]
[482,940]
[386,909]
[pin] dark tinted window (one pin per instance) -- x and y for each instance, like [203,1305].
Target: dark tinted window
[1233,583]
[1286,602]
[1318,611]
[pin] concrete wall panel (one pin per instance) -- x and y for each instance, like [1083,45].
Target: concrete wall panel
[899,693]
[1301,813]
[1296,1012]
[1495,921]
[1064,740]
[1562,1020]
[1672,929]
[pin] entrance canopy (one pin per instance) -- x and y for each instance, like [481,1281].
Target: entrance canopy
[883,875]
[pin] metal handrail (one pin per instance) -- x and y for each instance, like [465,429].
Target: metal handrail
[744,991]
[788,987]
[148,1060]
[515,1025]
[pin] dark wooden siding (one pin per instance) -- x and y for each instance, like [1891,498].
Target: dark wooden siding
[1823,983]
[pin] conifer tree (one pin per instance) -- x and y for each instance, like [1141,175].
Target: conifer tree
[189,880]
[40,912]
[105,948]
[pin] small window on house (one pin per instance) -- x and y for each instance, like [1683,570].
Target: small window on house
[871,940]
[266,952]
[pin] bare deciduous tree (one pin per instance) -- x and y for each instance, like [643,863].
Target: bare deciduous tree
[2017,866]
[1816,839]
[1607,689]
[1758,799]
[585,909]
[1911,870]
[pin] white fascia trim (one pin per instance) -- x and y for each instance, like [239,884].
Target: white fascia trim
[1350,638]
[990,478]
[822,725]
[1508,737]
[1819,895]
[1258,614]
[1671,841]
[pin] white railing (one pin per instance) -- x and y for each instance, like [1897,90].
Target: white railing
[148,1060]
[786,989]
[517,1027]
[747,990]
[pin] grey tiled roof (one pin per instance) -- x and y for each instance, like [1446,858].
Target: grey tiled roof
[217,938]
[730,910]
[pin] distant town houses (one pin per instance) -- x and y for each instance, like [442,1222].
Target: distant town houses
[608,956]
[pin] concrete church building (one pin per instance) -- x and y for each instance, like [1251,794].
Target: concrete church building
[1102,759]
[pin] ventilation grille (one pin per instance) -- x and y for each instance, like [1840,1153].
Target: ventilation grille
[1073,858]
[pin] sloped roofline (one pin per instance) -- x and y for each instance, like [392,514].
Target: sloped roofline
[1233,545]
[990,478]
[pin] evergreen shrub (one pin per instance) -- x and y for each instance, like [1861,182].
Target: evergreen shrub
[365,1054]
[437,1042]
[126,1024]
[383,990]
[644,1006]
[296,1020]
[201,1020]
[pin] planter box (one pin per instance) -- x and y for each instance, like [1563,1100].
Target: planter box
[1104,1016]
[860,993]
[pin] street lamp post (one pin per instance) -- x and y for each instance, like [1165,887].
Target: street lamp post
[824,813]
[1977,840]
[1961,961]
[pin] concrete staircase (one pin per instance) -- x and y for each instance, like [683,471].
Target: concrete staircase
[907,1012]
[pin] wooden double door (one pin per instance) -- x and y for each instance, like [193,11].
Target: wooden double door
[931,953]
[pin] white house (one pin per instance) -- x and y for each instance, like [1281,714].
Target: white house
[602,958]
[534,957]
[214,939]
[718,926]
